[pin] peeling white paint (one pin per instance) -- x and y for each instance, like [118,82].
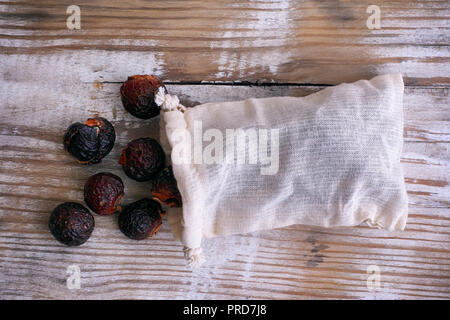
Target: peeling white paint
[276,24]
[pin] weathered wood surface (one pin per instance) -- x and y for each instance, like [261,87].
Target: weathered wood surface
[294,262]
[319,42]
[51,77]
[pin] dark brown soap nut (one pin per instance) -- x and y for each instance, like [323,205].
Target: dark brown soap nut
[71,223]
[141,219]
[164,188]
[138,95]
[142,159]
[90,141]
[103,193]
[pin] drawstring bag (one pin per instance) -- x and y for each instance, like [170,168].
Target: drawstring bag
[330,159]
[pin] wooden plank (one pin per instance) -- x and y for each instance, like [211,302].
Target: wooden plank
[293,262]
[320,42]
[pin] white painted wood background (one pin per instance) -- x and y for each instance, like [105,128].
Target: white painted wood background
[51,77]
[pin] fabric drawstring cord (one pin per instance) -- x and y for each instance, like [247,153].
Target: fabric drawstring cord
[193,257]
[168,102]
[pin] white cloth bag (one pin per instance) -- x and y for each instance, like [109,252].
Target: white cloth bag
[338,162]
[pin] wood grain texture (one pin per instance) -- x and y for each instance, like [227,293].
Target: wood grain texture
[293,262]
[321,42]
[212,51]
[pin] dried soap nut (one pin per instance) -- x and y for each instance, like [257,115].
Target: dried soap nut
[71,223]
[141,219]
[90,141]
[164,188]
[142,159]
[103,193]
[138,95]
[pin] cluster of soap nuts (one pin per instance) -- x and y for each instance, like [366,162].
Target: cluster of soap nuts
[142,160]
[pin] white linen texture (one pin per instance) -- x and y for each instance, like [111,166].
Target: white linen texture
[338,163]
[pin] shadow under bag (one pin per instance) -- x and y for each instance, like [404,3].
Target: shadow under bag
[328,159]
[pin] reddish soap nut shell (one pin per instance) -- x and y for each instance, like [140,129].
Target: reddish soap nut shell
[141,219]
[91,141]
[103,193]
[138,95]
[71,223]
[165,190]
[142,159]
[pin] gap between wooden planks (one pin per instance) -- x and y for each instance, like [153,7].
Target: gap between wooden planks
[294,262]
